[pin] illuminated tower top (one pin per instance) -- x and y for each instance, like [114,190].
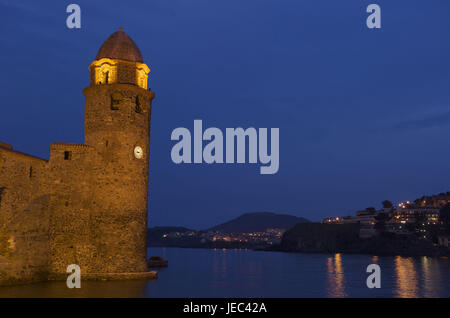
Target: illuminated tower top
[119,60]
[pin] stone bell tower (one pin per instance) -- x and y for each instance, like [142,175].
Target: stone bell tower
[117,125]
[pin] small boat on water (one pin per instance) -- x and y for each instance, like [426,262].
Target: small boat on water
[157,261]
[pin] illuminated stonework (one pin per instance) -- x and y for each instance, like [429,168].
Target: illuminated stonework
[116,71]
[142,71]
[104,71]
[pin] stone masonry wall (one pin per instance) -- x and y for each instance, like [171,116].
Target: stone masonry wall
[72,236]
[23,218]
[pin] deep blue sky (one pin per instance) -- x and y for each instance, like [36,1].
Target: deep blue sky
[364,115]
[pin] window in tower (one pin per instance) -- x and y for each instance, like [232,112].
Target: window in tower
[106,76]
[138,107]
[140,104]
[105,73]
[116,99]
[2,194]
[31,172]
[67,155]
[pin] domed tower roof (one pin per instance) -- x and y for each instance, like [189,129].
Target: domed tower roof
[120,46]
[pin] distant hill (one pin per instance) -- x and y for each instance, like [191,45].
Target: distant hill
[259,222]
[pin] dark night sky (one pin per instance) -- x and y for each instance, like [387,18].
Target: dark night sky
[364,115]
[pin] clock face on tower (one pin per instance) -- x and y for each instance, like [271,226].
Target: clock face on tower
[138,152]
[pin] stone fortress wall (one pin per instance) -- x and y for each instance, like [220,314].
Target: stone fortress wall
[24,217]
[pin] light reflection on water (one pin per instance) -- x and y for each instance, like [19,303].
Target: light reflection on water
[431,276]
[407,277]
[414,277]
[246,273]
[336,276]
